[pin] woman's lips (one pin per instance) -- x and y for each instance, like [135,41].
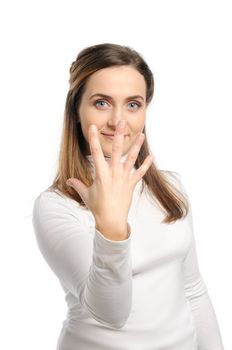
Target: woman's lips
[110,136]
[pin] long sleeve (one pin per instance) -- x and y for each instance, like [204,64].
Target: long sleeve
[207,328]
[94,269]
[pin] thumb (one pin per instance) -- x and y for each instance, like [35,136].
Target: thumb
[78,186]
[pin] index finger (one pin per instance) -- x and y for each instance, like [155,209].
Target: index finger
[96,150]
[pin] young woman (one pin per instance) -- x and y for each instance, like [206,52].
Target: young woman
[116,230]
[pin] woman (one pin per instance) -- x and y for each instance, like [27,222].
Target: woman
[116,230]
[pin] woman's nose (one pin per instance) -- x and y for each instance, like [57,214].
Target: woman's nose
[115,117]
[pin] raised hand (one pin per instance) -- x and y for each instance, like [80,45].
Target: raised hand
[109,197]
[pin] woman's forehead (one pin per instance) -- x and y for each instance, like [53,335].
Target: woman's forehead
[107,81]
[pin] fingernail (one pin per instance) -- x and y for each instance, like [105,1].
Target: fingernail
[69,183]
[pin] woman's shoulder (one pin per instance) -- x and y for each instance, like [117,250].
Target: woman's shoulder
[52,208]
[52,199]
[171,175]
[175,179]
[52,195]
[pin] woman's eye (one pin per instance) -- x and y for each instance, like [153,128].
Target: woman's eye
[135,103]
[99,102]
[131,103]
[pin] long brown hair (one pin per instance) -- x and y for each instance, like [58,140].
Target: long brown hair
[73,150]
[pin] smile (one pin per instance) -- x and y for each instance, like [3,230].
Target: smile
[110,137]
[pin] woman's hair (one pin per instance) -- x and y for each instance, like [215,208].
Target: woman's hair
[73,150]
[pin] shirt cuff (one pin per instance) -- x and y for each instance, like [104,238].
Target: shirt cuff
[102,240]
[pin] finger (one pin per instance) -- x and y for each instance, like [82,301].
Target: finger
[96,150]
[141,171]
[117,146]
[78,186]
[133,154]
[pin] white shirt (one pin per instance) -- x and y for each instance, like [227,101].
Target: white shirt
[142,293]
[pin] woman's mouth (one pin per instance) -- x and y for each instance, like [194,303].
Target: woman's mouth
[110,136]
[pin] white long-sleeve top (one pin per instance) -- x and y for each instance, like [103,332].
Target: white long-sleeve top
[142,293]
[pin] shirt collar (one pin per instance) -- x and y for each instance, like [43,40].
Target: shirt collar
[122,160]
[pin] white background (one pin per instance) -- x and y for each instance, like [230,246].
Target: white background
[187,45]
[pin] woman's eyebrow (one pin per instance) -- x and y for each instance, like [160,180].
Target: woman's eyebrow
[111,98]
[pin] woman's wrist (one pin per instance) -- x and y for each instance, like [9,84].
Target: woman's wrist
[114,232]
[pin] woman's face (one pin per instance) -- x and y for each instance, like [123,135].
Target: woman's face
[121,84]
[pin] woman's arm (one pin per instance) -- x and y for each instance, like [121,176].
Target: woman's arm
[96,270]
[207,328]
